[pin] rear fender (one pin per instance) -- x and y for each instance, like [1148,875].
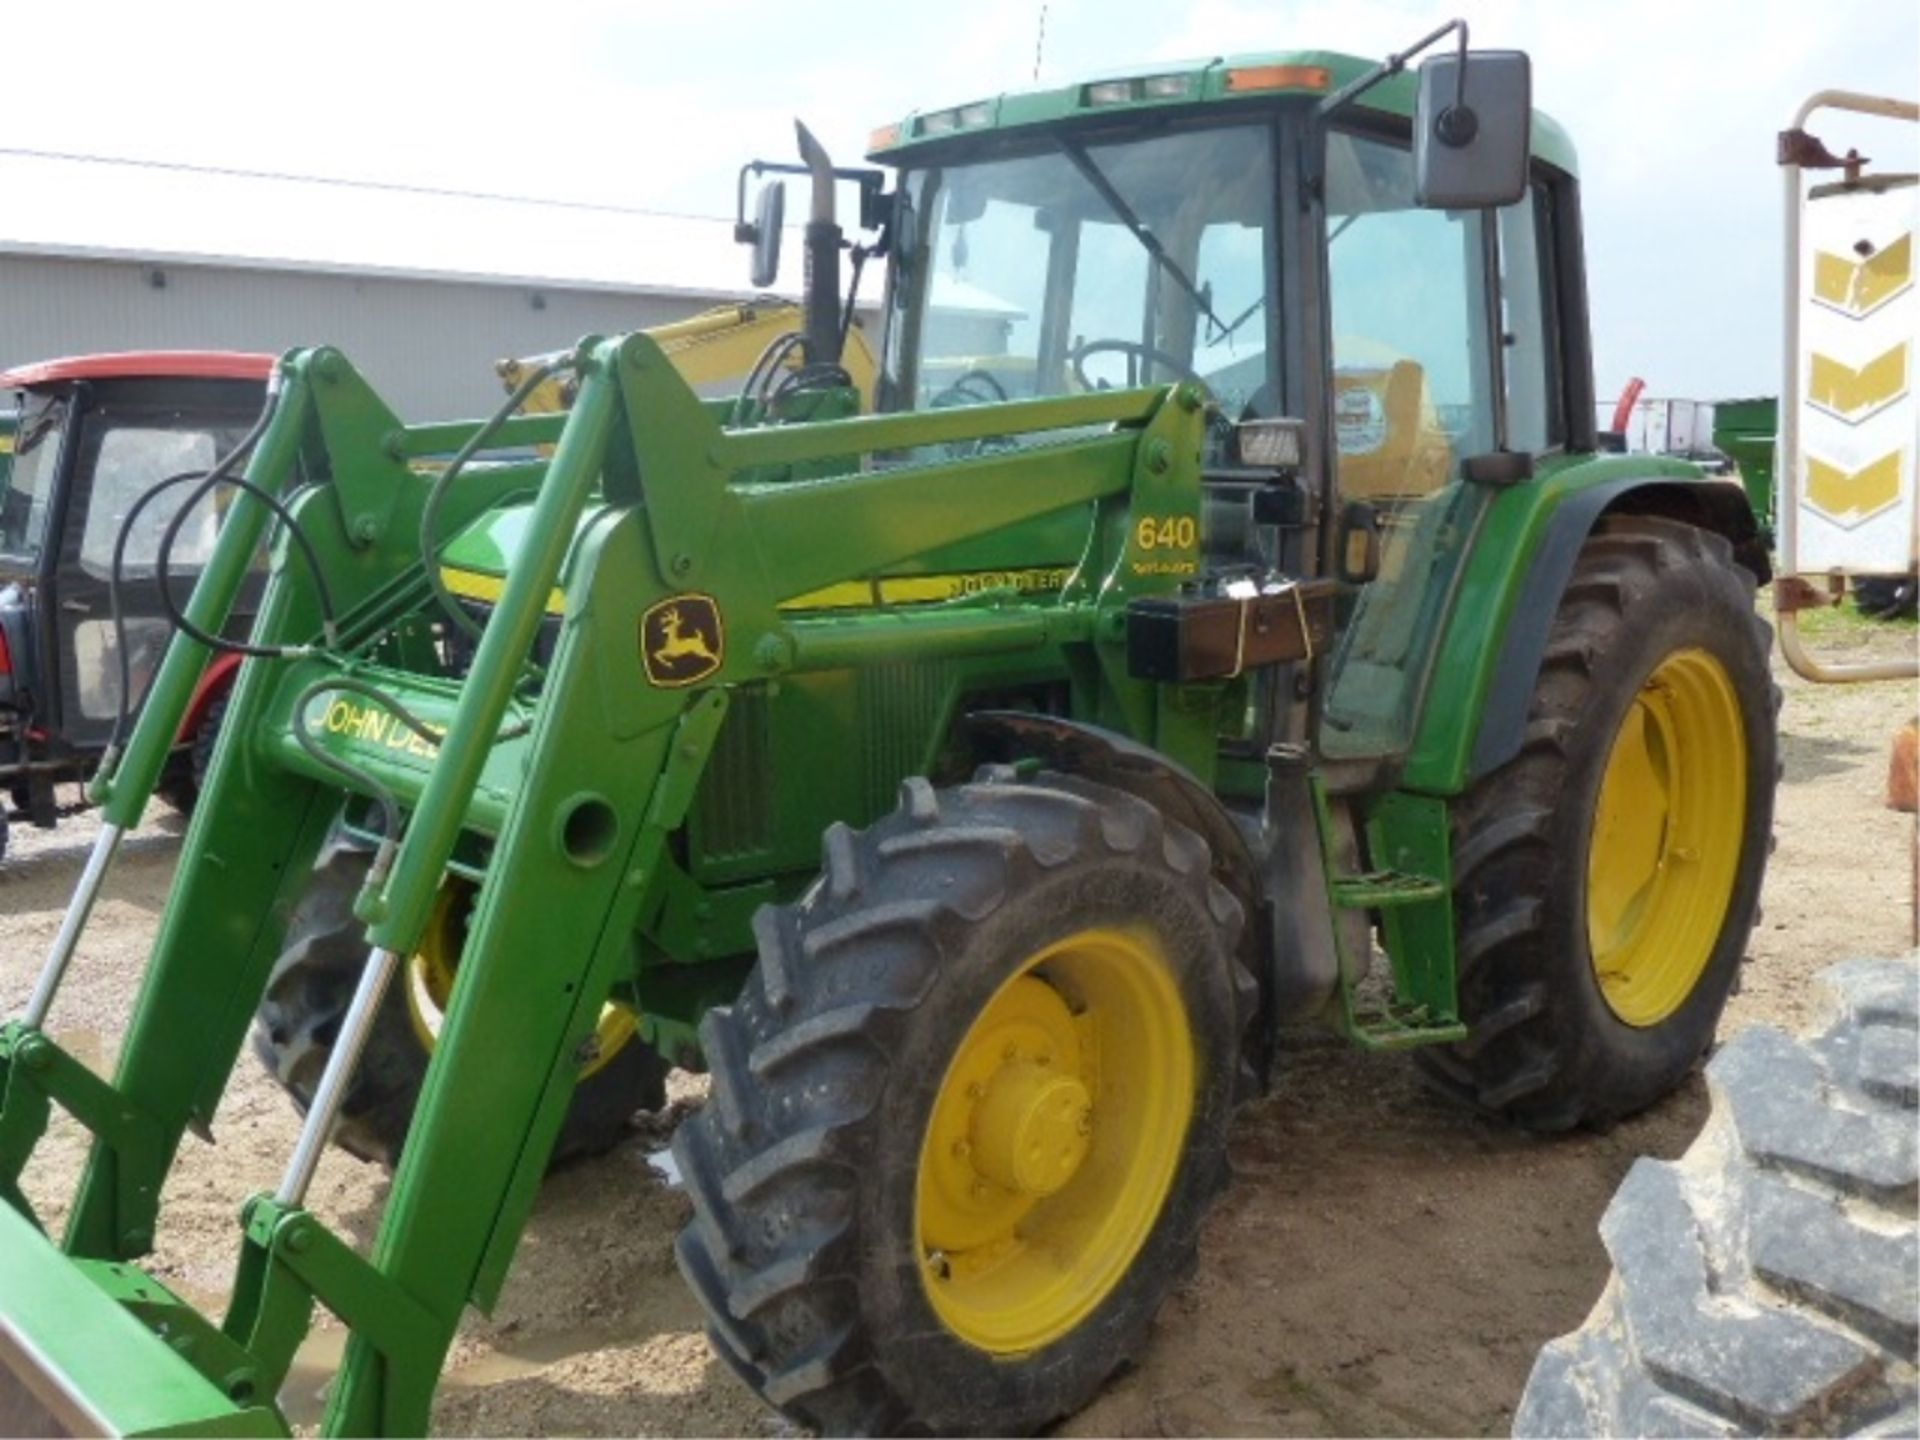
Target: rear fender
[1464,735]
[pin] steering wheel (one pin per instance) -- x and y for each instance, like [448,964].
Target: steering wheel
[975,387]
[1136,351]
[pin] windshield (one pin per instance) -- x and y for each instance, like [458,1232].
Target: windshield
[27,500]
[1077,268]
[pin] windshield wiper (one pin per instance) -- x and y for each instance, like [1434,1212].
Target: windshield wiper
[1150,242]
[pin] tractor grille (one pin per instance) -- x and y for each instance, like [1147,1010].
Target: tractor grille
[900,706]
[733,815]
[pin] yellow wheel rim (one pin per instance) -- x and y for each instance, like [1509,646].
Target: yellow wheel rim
[431,972]
[1055,1137]
[1666,837]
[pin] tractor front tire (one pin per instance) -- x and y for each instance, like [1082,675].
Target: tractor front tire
[969,1110]
[1606,878]
[307,997]
[1764,1283]
[185,774]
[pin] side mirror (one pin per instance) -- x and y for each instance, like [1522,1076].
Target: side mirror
[1472,129]
[769,219]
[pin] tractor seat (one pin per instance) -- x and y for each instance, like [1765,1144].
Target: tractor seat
[1391,444]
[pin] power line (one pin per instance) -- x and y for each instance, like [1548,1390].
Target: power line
[181,167]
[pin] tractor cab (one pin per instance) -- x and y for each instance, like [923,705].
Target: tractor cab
[1379,359]
[94,435]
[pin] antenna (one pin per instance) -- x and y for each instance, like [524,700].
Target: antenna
[1040,41]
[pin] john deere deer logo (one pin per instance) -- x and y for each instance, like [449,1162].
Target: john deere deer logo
[682,640]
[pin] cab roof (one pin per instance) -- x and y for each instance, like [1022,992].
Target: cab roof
[1229,82]
[142,365]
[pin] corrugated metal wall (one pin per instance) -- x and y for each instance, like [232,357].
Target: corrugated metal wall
[427,345]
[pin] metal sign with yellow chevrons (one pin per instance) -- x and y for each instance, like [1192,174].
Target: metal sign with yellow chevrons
[1852,394]
[1858,421]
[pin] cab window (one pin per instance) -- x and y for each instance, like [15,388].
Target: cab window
[1411,390]
[1534,423]
[128,459]
[27,501]
[1078,267]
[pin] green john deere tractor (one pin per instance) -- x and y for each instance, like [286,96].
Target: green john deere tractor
[1226,595]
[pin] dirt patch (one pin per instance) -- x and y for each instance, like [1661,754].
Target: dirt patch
[1382,1265]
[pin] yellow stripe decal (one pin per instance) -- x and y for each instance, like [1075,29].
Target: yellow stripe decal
[473,585]
[1850,496]
[930,589]
[1841,389]
[1860,287]
[843,595]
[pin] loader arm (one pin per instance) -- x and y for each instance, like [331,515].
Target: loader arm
[568,787]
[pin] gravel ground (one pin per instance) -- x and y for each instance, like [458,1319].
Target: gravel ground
[1382,1265]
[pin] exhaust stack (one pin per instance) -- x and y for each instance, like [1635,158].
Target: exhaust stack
[823,240]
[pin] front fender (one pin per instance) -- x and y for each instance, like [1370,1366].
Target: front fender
[217,680]
[1474,719]
[1109,758]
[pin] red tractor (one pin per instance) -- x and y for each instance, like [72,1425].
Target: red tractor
[96,434]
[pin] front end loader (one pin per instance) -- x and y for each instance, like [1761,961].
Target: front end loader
[973,788]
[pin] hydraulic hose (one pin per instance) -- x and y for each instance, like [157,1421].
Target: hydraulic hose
[437,493]
[116,578]
[220,473]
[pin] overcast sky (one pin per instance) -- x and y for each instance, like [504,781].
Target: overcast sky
[1673,104]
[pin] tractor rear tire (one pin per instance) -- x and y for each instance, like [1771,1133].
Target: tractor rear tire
[857,1110]
[1765,1282]
[307,997]
[1657,643]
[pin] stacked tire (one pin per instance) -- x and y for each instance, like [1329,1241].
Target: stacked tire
[1765,1283]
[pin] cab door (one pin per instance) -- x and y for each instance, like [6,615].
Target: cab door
[131,436]
[1438,345]
[30,505]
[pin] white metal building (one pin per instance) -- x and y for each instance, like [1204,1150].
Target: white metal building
[422,292]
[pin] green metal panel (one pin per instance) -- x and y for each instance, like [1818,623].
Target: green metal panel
[1410,836]
[1748,431]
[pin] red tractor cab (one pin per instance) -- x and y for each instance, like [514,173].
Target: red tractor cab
[94,434]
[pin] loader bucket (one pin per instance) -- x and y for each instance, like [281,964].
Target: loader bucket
[93,1347]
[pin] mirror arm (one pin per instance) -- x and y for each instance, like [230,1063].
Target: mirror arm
[872,183]
[743,231]
[1392,66]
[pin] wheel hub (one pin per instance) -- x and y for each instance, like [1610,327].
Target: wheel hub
[1666,839]
[1053,1141]
[1032,1128]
